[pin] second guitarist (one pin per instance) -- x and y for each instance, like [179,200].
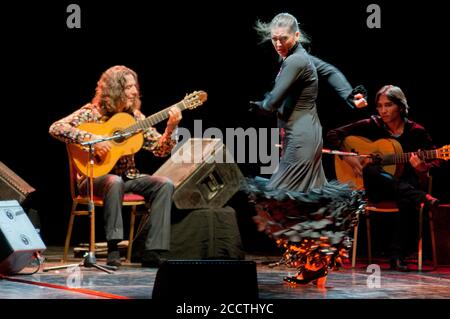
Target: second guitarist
[118,91]
[406,190]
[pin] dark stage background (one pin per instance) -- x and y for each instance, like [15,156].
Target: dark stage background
[179,47]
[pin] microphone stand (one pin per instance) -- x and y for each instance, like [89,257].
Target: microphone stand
[341,153]
[89,258]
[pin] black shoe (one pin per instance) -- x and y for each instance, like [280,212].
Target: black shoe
[152,259]
[308,276]
[136,258]
[397,263]
[113,259]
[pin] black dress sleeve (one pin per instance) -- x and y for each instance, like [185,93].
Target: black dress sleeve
[335,79]
[291,70]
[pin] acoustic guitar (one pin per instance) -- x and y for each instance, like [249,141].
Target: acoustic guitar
[388,152]
[124,124]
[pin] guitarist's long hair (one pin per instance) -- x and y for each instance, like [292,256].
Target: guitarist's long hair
[110,90]
[395,95]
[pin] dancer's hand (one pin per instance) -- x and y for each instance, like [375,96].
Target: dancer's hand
[359,101]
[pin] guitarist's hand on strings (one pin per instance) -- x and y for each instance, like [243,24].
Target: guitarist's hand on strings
[174,118]
[101,149]
[355,164]
[419,165]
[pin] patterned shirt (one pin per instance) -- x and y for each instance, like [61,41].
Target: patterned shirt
[67,131]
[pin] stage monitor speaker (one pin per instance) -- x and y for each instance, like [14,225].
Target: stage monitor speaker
[19,240]
[204,174]
[441,218]
[210,280]
[12,186]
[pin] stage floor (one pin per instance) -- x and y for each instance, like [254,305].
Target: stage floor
[132,281]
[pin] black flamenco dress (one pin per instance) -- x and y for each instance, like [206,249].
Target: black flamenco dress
[314,227]
[307,215]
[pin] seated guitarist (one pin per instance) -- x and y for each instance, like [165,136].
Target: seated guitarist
[392,122]
[118,91]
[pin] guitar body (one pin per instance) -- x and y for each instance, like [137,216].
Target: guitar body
[364,146]
[124,123]
[115,124]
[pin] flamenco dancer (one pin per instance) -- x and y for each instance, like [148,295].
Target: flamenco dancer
[297,206]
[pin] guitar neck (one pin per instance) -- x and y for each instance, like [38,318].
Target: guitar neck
[154,119]
[404,157]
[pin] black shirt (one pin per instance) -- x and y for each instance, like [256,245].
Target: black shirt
[413,138]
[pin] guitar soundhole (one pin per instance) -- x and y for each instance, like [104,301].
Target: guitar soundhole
[119,139]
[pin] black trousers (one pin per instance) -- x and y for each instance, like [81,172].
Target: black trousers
[157,192]
[382,186]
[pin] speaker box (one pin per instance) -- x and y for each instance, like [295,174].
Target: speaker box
[441,217]
[12,186]
[204,174]
[209,233]
[211,280]
[19,240]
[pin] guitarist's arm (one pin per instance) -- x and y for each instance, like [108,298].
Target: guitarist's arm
[421,166]
[161,144]
[337,136]
[66,129]
[435,163]
[356,165]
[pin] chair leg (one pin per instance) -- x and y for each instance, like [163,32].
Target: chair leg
[433,239]
[419,253]
[69,232]
[355,243]
[369,239]
[130,240]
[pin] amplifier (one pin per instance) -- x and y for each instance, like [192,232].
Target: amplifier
[12,187]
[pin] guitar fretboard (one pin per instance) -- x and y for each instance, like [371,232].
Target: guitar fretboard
[154,119]
[404,157]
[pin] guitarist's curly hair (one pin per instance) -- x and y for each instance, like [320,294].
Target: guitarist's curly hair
[395,95]
[110,90]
